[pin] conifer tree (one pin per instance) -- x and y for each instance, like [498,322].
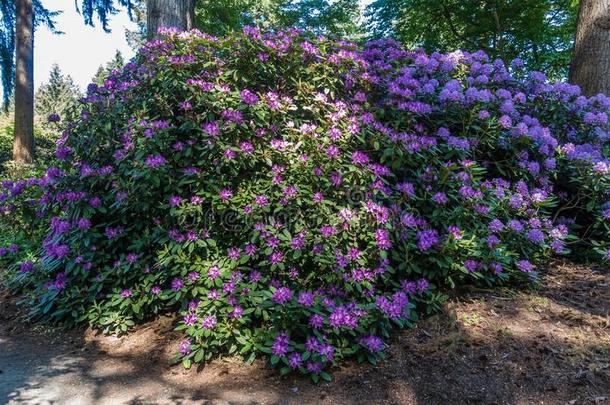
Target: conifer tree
[55,98]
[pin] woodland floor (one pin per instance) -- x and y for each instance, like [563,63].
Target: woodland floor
[504,346]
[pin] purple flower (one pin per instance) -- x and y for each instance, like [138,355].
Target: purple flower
[282,295]
[237,312]
[83,224]
[515,225]
[234,253]
[382,237]
[185,346]
[120,154]
[26,267]
[327,350]
[177,284]
[601,167]
[328,231]
[214,272]
[440,198]
[426,239]
[535,235]
[493,240]
[95,202]
[280,345]
[496,267]
[505,121]
[525,266]
[374,344]
[298,241]
[225,194]
[332,152]
[155,161]
[314,367]
[455,232]
[209,322]
[250,249]
[190,319]
[295,360]
[394,307]
[276,257]
[261,200]
[341,317]
[471,265]
[255,276]
[306,299]
[126,293]
[316,321]
[248,97]
[360,158]
[422,285]
[496,226]
[246,147]
[211,128]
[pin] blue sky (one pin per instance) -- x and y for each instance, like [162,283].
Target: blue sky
[81,49]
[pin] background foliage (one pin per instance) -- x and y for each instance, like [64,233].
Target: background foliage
[538,31]
[55,99]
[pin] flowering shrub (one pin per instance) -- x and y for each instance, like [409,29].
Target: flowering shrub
[514,124]
[301,197]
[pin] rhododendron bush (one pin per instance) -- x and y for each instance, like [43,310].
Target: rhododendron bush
[302,197]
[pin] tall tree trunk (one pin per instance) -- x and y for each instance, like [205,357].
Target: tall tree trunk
[169,13]
[23,143]
[590,68]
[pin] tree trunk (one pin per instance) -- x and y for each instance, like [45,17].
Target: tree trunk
[169,13]
[23,143]
[590,68]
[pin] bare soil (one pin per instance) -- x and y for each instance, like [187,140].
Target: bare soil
[503,346]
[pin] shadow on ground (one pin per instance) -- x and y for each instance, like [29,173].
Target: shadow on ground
[498,346]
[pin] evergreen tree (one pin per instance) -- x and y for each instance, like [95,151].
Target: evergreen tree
[103,10]
[137,37]
[117,62]
[103,72]
[99,76]
[55,97]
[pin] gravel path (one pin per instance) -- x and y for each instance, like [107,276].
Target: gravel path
[501,346]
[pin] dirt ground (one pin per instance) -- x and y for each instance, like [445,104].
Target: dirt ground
[502,346]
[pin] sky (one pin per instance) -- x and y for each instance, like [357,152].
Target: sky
[81,49]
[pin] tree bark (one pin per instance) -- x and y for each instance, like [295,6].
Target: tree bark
[590,68]
[23,142]
[169,13]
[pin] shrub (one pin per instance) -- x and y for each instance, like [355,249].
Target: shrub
[299,196]
[511,122]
